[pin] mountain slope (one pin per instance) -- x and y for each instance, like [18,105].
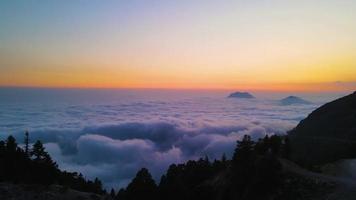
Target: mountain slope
[336,188]
[10,191]
[327,134]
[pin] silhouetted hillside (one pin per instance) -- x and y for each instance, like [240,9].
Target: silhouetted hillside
[327,134]
[10,191]
[255,172]
[34,166]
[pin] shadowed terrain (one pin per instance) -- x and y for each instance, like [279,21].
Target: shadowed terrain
[327,134]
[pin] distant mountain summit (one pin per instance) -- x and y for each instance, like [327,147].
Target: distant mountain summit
[293,100]
[242,95]
[327,134]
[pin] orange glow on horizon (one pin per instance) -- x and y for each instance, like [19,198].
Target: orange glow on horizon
[281,87]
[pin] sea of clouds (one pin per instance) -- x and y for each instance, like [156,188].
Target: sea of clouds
[110,134]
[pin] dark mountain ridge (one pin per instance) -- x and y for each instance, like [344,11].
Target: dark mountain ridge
[327,134]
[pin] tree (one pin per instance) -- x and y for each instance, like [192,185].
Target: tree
[244,150]
[36,166]
[112,193]
[287,148]
[223,158]
[275,144]
[262,146]
[142,186]
[243,166]
[174,182]
[11,145]
[121,195]
[44,168]
[2,148]
[38,151]
[267,177]
[98,186]
[27,143]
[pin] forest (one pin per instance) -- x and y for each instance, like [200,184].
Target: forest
[254,172]
[33,165]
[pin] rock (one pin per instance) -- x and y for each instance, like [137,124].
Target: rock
[293,100]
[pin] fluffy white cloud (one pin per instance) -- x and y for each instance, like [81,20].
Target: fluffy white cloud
[114,153]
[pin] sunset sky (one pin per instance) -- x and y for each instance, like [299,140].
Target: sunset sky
[256,44]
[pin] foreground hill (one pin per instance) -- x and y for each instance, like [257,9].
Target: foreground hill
[41,192]
[34,166]
[327,134]
[257,170]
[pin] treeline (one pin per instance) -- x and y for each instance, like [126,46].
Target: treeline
[254,172]
[33,165]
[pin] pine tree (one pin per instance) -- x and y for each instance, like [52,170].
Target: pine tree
[243,165]
[244,150]
[275,144]
[287,148]
[38,151]
[142,186]
[223,161]
[38,168]
[223,158]
[97,186]
[27,143]
[45,168]
[112,193]
[2,147]
[121,195]
[11,145]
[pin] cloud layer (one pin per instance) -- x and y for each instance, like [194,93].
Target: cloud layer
[111,135]
[115,153]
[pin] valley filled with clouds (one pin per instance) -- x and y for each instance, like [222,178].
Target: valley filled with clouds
[111,134]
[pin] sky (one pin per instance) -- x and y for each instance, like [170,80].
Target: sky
[256,44]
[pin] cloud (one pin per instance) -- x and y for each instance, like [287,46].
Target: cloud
[100,149]
[115,161]
[112,140]
[114,153]
[163,134]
